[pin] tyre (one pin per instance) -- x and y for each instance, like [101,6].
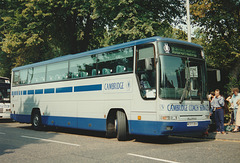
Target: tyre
[121,126]
[163,138]
[36,120]
[111,128]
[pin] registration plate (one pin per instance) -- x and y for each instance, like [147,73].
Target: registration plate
[190,124]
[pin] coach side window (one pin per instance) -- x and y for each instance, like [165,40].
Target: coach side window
[16,78]
[118,61]
[38,74]
[57,71]
[83,67]
[23,76]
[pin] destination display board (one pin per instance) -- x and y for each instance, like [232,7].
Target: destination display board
[178,49]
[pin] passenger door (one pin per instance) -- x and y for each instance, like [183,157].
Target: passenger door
[146,71]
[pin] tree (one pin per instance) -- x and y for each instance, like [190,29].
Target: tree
[220,23]
[135,19]
[33,31]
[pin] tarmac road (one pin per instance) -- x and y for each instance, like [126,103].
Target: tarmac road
[19,143]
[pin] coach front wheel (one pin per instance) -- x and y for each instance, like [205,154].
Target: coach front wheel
[121,126]
[36,120]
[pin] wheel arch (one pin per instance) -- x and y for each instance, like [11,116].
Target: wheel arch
[113,111]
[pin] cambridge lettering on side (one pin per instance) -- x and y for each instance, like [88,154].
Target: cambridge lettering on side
[111,86]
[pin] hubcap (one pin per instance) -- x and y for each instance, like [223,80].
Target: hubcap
[116,125]
[36,120]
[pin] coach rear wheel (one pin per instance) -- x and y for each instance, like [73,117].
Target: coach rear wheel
[121,126]
[36,120]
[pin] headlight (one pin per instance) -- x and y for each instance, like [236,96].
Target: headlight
[169,118]
[173,117]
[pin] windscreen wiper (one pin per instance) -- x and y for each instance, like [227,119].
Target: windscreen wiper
[201,98]
[185,89]
[186,84]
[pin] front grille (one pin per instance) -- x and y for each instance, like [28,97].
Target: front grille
[190,115]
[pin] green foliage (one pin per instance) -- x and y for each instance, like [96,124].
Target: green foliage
[234,82]
[220,22]
[135,19]
[220,28]
[5,64]
[33,31]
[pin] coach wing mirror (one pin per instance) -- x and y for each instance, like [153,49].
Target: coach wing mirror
[218,75]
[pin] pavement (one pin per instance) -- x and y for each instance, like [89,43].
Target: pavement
[229,136]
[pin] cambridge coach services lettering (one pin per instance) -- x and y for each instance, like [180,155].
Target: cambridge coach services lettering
[113,86]
[172,107]
[193,108]
[204,108]
[177,107]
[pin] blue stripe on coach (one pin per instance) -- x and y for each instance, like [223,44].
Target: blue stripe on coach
[64,90]
[96,87]
[24,92]
[84,88]
[39,91]
[30,92]
[48,90]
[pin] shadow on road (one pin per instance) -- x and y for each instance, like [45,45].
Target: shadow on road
[11,138]
[69,131]
[134,138]
[170,139]
[6,121]
[10,135]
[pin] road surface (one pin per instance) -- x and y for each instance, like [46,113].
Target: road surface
[19,143]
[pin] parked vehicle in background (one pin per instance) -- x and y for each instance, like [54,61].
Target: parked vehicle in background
[154,86]
[4,98]
[214,79]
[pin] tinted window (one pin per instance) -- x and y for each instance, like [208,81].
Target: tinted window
[118,61]
[179,74]
[4,92]
[57,71]
[16,78]
[38,74]
[24,76]
[173,76]
[83,67]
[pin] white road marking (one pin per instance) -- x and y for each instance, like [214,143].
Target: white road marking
[152,158]
[53,141]
[2,133]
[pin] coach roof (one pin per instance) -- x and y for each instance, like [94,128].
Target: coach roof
[106,49]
